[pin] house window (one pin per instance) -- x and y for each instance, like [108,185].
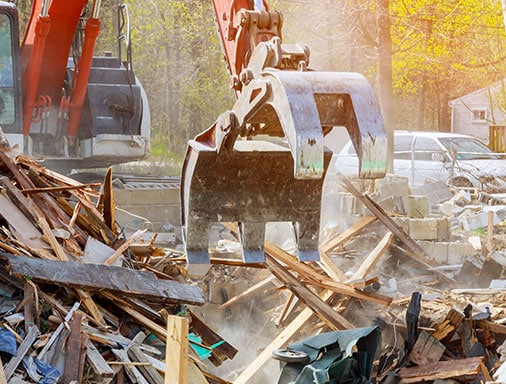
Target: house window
[479,115]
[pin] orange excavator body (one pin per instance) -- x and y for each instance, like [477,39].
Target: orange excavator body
[79,110]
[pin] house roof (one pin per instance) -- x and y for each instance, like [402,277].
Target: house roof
[492,86]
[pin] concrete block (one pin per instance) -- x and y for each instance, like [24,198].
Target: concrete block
[459,252]
[418,206]
[436,250]
[392,185]
[432,228]
[393,205]
[462,198]
[475,221]
[436,191]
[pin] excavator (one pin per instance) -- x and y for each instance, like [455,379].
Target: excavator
[61,103]
[264,160]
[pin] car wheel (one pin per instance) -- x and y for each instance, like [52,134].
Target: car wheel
[461,182]
[290,356]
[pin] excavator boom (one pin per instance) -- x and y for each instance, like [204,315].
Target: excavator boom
[265,160]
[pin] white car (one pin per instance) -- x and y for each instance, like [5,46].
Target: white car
[458,160]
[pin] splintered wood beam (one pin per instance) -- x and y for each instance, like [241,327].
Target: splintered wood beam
[73,350]
[23,349]
[123,247]
[60,189]
[444,370]
[324,311]
[372,259]
[91,306]
[309,273]
[107,201]
[103,277]
[330,268]
[176,352]
[347,234]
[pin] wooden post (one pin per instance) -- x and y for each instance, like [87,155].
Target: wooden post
[490,232]
[176,357]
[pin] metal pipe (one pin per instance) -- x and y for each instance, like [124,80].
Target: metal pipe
[96,9]
[44,12]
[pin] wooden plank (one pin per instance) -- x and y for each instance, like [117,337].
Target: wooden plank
[51,239]
[3,379]
[441,370]
[220,353]
[176,352]
[107,201]
[131,370]
[73,349]
[23,349]
[447,328]
[29,305]
[321,309]
[100,277]
[416,252]
[347,234]
[372,259]
[280,341]
[137,356]
[305,271]
[23,229]
[97,362]
[426,350]
[62,326]
[91,306]
[60,189]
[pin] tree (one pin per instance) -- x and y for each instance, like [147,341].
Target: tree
[178,60]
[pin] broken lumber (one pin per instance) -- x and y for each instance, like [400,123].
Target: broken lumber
[103,277]
[442,370]
[23,349]
[322,310]
[177,350]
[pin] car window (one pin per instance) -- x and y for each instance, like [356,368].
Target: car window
[467,148]
[424,148]
[402,147]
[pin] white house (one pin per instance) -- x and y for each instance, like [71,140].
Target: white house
[472,114]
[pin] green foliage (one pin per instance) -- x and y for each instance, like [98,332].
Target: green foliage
[441,50]
[178,60]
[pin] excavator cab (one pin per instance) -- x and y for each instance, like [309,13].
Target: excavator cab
[265,159]
[66,105]
[10,75]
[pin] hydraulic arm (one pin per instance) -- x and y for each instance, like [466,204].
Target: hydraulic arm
[265,160]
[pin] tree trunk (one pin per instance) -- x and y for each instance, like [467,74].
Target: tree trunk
[385,75]
[420,123]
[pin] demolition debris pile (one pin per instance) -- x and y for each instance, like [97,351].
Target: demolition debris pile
[80,302]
